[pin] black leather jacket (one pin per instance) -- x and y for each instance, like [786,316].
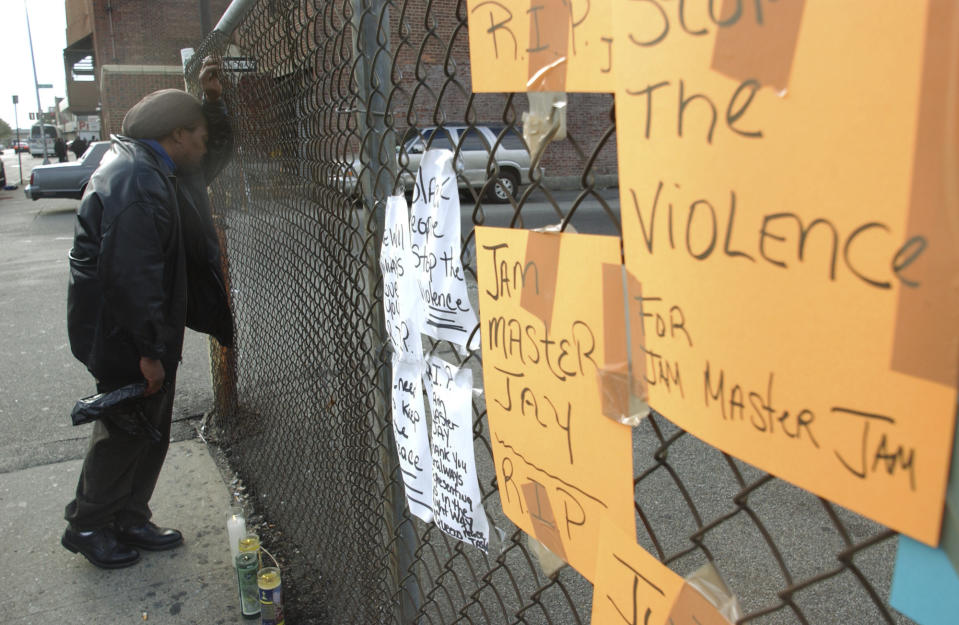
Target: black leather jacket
[145,261]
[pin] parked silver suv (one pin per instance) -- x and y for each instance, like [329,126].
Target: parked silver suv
[475,145]
[512,158]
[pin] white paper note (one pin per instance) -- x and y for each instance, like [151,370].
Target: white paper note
[457,503]
[436,247]
[412,437]
[401,296]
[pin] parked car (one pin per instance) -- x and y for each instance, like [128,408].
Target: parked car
[475,145]
[512,158]
[67,180]
[20,146]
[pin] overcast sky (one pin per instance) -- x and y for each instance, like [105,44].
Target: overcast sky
[48,25]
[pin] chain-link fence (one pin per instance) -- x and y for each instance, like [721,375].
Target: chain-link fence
[325,97]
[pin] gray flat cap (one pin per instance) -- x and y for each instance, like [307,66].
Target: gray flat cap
[160,113]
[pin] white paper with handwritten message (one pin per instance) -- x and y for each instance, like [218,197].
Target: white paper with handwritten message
[457,504]
[411,433]
[401,299]
[435,236]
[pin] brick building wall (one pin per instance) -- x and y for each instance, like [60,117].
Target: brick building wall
[431,85]
[131,34]
[432,44]
[123,87]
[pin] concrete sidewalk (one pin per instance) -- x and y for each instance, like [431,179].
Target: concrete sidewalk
[41,453]
[46,584]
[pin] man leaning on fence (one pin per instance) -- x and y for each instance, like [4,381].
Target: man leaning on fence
[144,264]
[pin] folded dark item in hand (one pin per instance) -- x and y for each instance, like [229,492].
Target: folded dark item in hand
[122,407]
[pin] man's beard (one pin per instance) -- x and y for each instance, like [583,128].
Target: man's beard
[190,167]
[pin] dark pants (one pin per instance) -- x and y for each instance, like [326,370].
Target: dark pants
[121,470]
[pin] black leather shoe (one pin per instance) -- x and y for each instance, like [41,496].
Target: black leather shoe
[150,537]
[100,547]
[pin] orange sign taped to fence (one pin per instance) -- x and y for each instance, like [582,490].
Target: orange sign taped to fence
[797,243]
[634,587]
[561,465]
[547,45]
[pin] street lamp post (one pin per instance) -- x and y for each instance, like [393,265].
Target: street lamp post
[16,122]
[43,128]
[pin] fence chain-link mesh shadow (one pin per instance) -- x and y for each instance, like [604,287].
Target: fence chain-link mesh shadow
[331,100]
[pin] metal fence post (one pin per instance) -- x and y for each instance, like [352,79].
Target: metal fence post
[222,359]
[373,58]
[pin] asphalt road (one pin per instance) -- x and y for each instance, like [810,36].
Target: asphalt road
[39,378]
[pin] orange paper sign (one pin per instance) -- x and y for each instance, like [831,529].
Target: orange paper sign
[561,465]
[541,45]
[634,588]
[788,181]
